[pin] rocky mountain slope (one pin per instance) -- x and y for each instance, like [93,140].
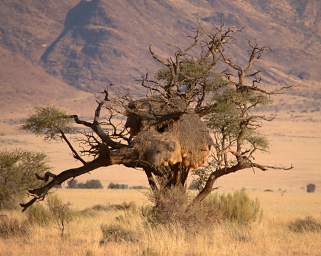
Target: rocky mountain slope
[89,43]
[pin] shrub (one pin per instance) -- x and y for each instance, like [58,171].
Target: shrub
[38,214]
[236,207]
[172,206]
[311,188]
[17,175]
[308,224]
[117,233]
[60,212]
[10,227]
[169,207]
[117,186]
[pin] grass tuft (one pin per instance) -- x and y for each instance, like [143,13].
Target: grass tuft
[308,224]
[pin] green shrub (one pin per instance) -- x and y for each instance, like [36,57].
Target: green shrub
[308,224]
[11,227]
[17,175]
[38,214]
[237,207]
[117,233]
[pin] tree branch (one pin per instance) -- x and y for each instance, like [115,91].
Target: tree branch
[74,152]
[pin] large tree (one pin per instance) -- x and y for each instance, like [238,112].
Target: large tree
[199,108]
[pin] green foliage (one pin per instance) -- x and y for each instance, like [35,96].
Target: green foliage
[11,227]
[38,214]
[17,175]
[117,233]
[236,207]
[308,224]
[48,121]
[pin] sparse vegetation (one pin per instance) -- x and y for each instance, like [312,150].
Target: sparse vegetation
[129,233]
[307,224]
[12,227]
[60,212]
[117,233]
[38,214]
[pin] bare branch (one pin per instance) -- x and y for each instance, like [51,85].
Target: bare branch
[74,152]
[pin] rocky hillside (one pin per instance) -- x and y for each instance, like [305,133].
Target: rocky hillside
[90,43]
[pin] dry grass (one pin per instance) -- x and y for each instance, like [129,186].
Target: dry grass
[271,236]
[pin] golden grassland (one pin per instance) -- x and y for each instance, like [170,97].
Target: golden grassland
[269,236]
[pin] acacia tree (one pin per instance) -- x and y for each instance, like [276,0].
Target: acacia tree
[199,107]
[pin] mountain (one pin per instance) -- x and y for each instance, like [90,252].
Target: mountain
[88,44]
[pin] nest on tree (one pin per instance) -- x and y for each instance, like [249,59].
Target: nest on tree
[165,134]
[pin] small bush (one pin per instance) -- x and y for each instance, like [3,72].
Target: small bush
[117,186]
[60,212]
[308,224]
[10,227]
[236,207]
[38,214]
[117,233]
[311,188]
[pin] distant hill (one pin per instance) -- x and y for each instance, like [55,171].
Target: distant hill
[90,43]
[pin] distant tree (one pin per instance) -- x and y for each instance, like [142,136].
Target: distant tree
[73,183]
[198,91]
[18,170]
[93,184]
[117,186]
